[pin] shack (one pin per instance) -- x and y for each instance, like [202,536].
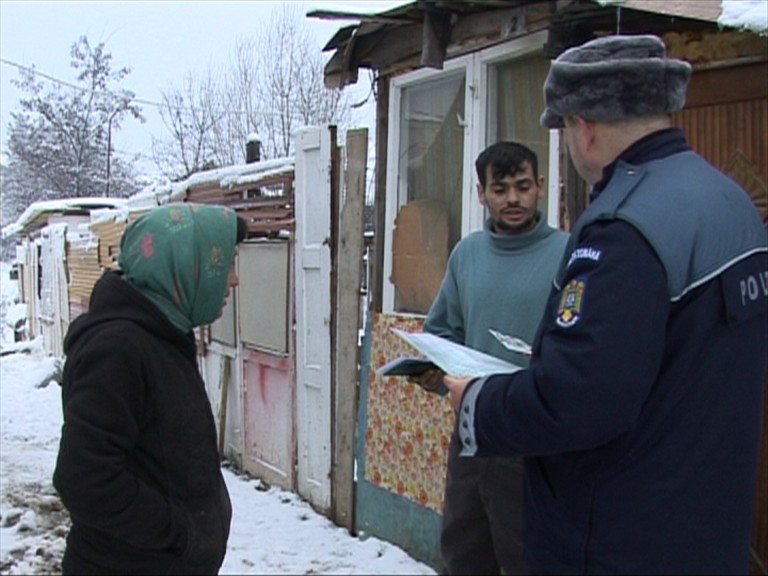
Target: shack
[280,364]
[452,77]
[57,265]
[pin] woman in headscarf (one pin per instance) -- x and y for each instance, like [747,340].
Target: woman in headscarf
[138,464]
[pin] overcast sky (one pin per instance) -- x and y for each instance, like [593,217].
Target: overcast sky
[160,41]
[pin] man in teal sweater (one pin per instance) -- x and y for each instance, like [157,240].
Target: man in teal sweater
[497,278]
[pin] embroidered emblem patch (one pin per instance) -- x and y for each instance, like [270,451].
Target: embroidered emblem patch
[569,311]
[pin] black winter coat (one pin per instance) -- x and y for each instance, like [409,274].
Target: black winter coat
[138,465]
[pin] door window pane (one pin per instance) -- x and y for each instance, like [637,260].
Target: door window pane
[430,174]
[516,101]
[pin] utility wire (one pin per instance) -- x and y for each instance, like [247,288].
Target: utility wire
[145,102]
[158,105]
[76,87]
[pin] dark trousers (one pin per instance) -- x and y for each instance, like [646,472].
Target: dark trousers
[482,515]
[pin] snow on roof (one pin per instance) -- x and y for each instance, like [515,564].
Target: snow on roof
[368,7]
[246,179]
[154,195]
[749,15]
[247,172]
[119,214]
[37,209]
[227,177]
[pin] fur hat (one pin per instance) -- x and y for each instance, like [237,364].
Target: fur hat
[614,78]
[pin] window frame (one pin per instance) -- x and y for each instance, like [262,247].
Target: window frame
[477,68]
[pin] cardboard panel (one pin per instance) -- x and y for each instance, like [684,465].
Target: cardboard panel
[263,294]
[419,254]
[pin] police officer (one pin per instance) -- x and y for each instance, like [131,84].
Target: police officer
[639,415]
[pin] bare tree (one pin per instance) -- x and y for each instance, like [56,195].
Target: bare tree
[272,85]
[189,114]
[290,91]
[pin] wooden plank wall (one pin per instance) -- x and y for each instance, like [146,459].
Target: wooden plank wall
[84,271]
[109,234]
[267,205]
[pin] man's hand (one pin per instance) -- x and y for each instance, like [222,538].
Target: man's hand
[430,380]
[456,387]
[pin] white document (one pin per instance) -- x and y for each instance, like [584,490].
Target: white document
[511,342]
[454,359]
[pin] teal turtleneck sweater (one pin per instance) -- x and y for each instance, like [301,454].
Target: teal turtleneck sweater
[499,282]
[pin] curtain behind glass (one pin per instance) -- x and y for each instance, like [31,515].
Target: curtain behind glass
[432,145]
[516,101]
[430,176]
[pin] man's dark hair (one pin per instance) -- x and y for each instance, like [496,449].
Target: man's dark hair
[505,158]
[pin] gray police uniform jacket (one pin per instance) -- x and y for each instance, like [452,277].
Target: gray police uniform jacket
[640,413]
[691,229]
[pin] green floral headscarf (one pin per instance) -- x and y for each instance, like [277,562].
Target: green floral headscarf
[179,256]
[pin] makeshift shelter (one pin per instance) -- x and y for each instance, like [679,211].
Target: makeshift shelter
[280,364]
[452,77]
[57,263]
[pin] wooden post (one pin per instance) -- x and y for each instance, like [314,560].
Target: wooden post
[225,372]
[350,255]
[379,226]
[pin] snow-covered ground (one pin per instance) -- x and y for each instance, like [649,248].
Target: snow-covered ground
[273,531]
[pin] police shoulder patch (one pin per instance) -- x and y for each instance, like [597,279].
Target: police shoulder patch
[589,253]
[569,311]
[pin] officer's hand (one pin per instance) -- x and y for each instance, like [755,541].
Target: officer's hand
[456,387]
[430,380]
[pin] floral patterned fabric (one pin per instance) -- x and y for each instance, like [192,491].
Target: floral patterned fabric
[406,444]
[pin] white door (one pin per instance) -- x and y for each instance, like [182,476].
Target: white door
[313,315]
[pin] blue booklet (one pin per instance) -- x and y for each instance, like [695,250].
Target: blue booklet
[450,357]
[412,367]
[406,367]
